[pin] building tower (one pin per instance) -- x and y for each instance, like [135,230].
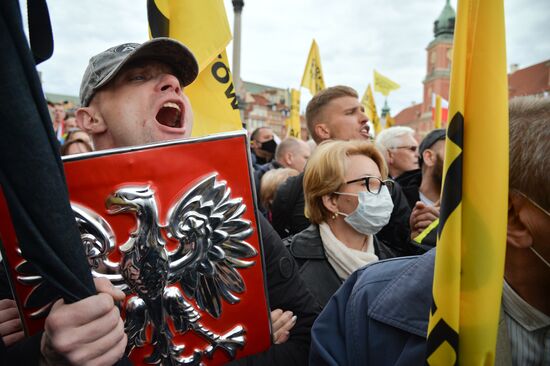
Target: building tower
[439,53]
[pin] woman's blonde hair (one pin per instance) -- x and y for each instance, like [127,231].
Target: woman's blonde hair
[271,181]
[326,169]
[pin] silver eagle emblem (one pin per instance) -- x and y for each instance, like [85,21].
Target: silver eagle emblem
[207,224]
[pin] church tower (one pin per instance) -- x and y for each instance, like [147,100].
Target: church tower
[439,53]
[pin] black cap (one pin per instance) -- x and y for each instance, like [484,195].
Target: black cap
[430,139]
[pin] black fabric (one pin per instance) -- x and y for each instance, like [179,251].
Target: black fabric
[256,160]
[32,178]
[396,234]
[429,241]
[315,269]
[289,218]
[258,174]
[40,30]
[25,352]
[31,171]
[287,209]
[286,291]
[5,287]
[410,183]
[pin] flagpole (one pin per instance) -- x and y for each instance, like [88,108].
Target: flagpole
[237,10]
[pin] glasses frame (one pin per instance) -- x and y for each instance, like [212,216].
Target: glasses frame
[386,182]
[413,148]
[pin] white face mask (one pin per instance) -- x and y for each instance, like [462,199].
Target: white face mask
[372,213]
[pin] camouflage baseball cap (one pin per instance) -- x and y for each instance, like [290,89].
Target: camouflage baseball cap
[105,66]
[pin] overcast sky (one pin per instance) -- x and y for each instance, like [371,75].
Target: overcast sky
[354,37]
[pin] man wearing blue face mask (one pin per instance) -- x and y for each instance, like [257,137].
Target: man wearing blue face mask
[347,199]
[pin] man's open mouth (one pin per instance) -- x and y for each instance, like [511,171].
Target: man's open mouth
[170,115]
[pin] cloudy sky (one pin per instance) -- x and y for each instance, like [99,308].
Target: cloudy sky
[354,37]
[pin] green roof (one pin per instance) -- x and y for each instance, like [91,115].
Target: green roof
[445,23]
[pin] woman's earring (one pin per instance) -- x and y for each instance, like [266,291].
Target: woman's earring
[334,215]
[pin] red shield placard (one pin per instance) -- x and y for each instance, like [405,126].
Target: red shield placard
[174,225]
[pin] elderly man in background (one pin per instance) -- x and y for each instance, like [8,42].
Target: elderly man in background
[400,149]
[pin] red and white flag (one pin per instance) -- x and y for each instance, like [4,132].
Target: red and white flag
[440,110]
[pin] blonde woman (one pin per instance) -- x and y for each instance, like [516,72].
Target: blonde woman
[347,200]
[270,182]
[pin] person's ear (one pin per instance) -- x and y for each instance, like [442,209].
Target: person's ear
[89,121]
[288,158]
[322,130]
[389,160]
[518,234]
[428,157]
[330,203]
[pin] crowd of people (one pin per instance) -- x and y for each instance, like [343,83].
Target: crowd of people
[331,218]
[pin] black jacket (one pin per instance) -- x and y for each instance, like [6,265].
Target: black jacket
[288,216]
[315,269]
[287,209]
[410,183]
[286,291]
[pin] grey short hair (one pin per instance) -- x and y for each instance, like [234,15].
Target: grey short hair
[387,138]
[530,148]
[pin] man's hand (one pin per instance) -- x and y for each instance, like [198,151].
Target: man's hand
[87,332]
[422,216]
[282,323]
[11,329]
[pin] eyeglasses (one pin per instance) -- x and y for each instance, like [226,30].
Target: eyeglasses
[412,148]
[374,184]
[532,201]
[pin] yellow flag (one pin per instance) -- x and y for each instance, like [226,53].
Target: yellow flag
[389,121]
[203,27]
[384,85]
[313,73]
[437,119]
[471,245]
[293,122]
[370,109]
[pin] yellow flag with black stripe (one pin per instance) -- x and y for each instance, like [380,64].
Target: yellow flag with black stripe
[293,122]
[369,104]
[203,27]
[383,84]
[469,262]
[313,73]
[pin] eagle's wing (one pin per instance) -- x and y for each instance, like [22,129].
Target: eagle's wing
[208,224]
[98,240]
